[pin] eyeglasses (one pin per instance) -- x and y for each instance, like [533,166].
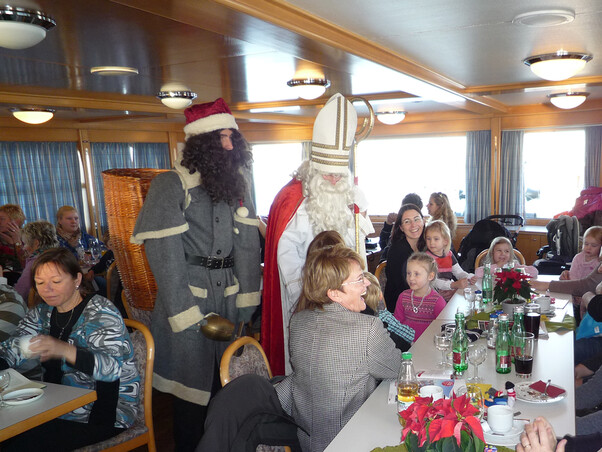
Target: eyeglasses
[359,281]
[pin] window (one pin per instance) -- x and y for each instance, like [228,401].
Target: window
[389,169]
[554,171]
[273,165]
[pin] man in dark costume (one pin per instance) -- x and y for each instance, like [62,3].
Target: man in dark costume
[199,229]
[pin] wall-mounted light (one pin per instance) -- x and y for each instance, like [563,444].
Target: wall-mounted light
[33,115]
[21,28]
[557,66]
[568,100]
[113,71]
[391,117]
[309,88]
[176,95]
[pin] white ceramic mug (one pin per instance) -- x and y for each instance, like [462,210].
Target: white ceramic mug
[436,392]
[500,418]
[544,303]
[23,342]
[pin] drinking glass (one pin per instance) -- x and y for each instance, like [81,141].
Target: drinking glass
[442,343]
[476,356]
[532,319]
[476,399]
[4,382]
[470,297]
[94,248]
[523,358]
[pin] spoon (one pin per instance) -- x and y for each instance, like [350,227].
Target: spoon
[545,391]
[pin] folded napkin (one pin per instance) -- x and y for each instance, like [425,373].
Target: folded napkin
[568,323]
[553,391]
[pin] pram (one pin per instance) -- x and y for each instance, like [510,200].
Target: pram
[482,234]
[563,244]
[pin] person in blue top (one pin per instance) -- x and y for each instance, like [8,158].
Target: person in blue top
[69,233]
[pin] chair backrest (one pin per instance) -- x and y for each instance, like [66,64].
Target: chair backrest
[381,275]
[243,356]
[482,254]
[133,313]
[109,278]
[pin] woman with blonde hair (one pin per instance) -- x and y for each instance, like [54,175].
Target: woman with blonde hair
[68,231]
[440,209]
[12,255]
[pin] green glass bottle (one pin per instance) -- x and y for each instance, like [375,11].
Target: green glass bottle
[516,337]
[503,364]
[460,346]
[487,284]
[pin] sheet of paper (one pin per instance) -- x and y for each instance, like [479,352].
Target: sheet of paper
[18,381]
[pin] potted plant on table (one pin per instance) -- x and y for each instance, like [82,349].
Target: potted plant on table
[512,288]
[443,425]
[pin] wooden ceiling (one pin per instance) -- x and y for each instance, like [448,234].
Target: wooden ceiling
[426,57]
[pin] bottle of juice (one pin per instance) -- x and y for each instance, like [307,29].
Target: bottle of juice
[407,383]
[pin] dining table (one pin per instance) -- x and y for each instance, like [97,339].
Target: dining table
[56,400]
[376,423]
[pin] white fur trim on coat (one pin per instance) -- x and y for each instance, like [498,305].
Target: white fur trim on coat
[244,300]
[183,320]
[180,391]
[139,239]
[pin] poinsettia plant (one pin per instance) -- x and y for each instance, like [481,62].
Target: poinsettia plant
[511,284]
[443,425]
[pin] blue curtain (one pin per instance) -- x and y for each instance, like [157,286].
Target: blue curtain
[478,175]
[41,177]
[593,149]
[512,183]
[124,155]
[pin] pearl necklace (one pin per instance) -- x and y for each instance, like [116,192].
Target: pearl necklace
[416,308]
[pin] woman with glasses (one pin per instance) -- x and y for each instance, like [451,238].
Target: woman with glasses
[337,353]
[407,238]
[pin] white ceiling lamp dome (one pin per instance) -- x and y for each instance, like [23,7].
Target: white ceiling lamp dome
[391,117]
[545,18]
[21,28]
[557,66]
[568,100]
[33,115]
[176,95]
[309,88]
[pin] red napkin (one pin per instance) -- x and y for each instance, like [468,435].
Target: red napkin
[553,391]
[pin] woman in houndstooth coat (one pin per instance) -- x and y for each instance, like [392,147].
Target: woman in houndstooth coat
[338,354]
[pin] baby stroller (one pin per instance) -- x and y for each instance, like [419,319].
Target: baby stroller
[563,244]
[482,234]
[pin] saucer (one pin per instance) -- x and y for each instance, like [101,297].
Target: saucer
[22,396]
[509,439]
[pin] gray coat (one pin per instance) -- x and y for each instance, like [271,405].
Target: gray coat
[338,356]
[179,217]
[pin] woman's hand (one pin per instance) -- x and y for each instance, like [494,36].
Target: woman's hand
[473,280]
[541,286]
[565,275]
[460,284]
[12,234]
[48,347]
[538,437]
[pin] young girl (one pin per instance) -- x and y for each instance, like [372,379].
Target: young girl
[500,254]
[587,260]
[438,243]
[376,302]
[418,306]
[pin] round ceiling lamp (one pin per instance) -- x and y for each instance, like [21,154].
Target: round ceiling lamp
[309,88]
[391,117]
[557,66]
[21,28]
[33,115]
[545,18]
[113,71]
[176,95]
[568,100]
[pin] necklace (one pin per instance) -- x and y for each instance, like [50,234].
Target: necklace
[415,308]
[56,319]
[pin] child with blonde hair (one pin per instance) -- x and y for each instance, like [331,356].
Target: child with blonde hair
[376,301]
[588,259]
[450,274]
[501,254]
[418,306]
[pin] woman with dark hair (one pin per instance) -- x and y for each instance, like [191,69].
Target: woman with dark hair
[407,238]
[81,341]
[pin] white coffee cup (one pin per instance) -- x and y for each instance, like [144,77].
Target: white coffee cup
[544,303]
[24,343]
[500,418]
[436,392]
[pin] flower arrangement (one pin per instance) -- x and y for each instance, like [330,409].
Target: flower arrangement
[443,425]
[511,284]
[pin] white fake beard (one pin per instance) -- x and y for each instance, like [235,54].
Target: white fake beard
[328,205]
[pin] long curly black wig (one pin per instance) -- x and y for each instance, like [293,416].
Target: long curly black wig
[222,171]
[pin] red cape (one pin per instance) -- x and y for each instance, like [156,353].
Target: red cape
[284,206]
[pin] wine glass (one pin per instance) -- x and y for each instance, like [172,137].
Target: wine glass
[442,343]
[4,382]
[476,355]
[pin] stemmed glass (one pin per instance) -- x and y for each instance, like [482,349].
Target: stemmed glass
[94,248]
[4,382]
[476,399]
[442,343]
[476,355]
[470,297]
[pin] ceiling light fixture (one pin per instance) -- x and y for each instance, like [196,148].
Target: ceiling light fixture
[545,18]
[557,66]
[113,71]
[21,28]
[568,100]
[33,115]
[391,117]
[309,88]
[176,95]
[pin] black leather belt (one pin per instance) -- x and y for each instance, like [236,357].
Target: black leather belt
[211,262]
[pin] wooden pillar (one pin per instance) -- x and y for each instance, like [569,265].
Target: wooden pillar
[496,140]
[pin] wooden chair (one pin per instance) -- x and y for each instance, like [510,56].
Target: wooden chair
[381,275]
[139,315]
[482,254]
[32,300]
[243,356]
[142,431]
[112,268]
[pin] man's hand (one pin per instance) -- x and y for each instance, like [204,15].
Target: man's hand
[391,218]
